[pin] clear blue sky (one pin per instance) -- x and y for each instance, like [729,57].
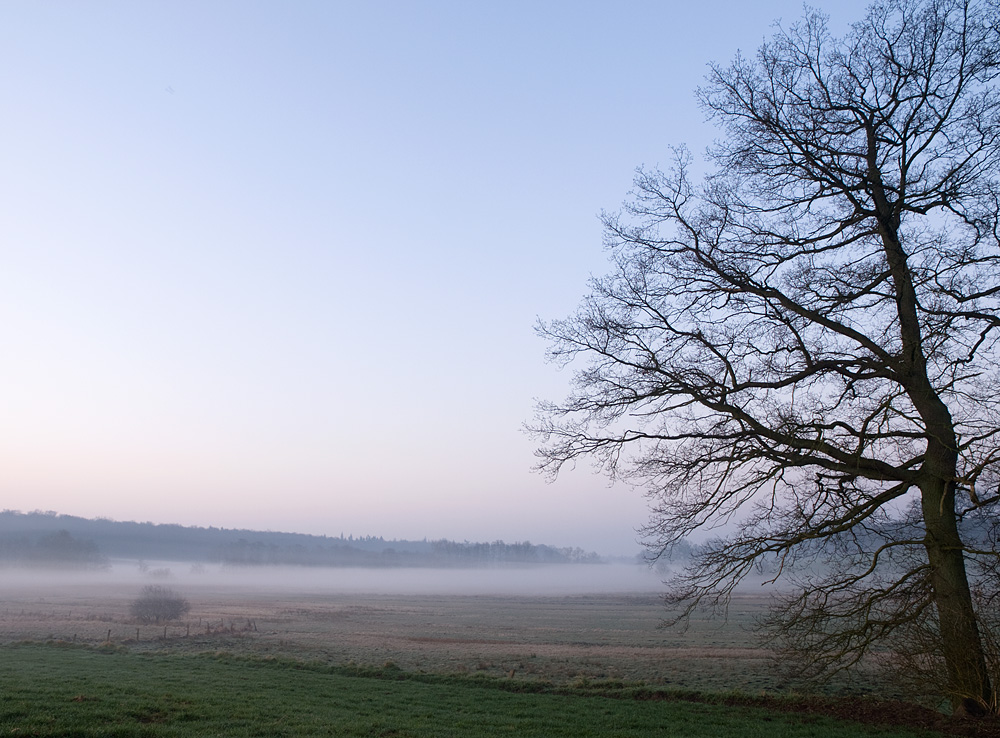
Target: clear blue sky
[276,264]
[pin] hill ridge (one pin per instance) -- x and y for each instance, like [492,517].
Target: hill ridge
[52,537]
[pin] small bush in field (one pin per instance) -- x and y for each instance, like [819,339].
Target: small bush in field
[157,604]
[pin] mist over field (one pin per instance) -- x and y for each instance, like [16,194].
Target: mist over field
[611,578]
[52,552]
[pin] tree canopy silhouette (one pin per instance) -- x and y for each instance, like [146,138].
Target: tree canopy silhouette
[157,604]
[804,341]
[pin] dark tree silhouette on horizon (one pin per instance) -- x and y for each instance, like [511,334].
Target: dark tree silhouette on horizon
[805,340]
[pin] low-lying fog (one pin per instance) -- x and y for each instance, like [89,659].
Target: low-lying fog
[557,579]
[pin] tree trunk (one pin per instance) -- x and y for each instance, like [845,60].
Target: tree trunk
[961,642]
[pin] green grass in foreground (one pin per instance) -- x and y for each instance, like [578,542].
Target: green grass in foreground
[58,690]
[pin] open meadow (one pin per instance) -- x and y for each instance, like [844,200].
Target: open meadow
[265,651]
[492,624]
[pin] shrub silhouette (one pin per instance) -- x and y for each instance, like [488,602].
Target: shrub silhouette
[157,604]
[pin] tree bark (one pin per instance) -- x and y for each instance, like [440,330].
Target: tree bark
[961,642]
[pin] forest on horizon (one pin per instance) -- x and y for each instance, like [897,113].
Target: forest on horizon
[65,541]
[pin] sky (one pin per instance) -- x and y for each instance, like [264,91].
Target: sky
[277,265]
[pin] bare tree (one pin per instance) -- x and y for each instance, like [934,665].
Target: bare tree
[156,604]
[805,341]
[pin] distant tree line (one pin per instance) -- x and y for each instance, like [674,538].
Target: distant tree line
[47,534]
[52,550]
[499,552]
[435,554]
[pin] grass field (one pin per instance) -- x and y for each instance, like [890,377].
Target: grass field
[292,660]
[555,638]
[64,690]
